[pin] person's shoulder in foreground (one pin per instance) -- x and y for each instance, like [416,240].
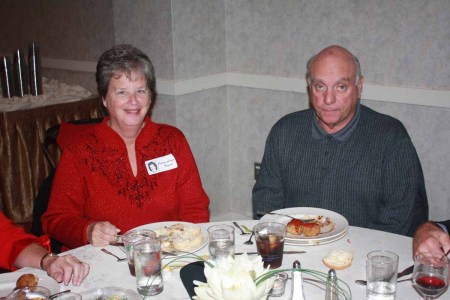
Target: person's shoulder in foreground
[432,237]
[19,249]
[366,158]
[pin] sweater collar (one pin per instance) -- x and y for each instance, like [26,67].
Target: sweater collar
[109,134]
[343,134]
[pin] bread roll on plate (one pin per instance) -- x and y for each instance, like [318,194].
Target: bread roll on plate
[338,259]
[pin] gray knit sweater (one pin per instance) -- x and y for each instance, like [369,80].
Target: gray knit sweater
[373,178]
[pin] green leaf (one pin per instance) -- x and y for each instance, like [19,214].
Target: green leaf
[247,229]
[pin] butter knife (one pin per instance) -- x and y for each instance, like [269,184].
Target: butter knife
[285,252]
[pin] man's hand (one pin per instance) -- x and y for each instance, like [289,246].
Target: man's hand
[429,238]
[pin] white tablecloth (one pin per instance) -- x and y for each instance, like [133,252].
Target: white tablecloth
[105,271]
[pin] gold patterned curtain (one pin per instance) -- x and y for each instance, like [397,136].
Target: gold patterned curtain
[23,165]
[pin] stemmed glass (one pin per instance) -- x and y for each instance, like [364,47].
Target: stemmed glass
[430,275]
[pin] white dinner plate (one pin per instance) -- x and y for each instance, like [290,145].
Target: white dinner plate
[339,230]
[159,225]
[312,242]
[8,282]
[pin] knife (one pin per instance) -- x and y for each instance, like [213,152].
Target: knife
[403,273]
[285,252]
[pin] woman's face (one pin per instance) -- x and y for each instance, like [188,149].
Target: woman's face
[127,101]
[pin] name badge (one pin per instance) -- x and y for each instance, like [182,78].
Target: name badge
[161,164]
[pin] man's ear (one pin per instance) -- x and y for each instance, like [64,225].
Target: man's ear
[104,102]
[360,86]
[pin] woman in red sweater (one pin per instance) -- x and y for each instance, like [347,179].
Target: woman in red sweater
[19,249]
[126,171]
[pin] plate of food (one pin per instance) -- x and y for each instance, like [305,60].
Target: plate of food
[309,225]
[110,293]
[9,281]
[178,237]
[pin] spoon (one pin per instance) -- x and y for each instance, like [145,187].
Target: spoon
[118,258]
[239,227]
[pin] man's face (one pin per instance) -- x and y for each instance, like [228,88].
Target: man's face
[334,94]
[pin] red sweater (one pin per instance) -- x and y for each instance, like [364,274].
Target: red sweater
[13,239]
[94,182]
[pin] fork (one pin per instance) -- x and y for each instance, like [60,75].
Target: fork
[249,242]
[260,213]
[242,231]
[110,253]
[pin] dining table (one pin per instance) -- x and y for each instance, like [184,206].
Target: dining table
[106,271]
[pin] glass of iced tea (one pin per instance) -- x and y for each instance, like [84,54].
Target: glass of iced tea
[270,243]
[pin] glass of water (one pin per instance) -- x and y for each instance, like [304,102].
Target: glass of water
[147,264]
[382,269]
[221,241]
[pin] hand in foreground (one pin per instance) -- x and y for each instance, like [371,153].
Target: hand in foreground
[429,238]
[101,233]
[66,268]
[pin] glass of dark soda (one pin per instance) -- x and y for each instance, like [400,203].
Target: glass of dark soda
[270,243]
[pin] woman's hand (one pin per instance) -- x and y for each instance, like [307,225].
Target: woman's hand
[66,268]
[101,233]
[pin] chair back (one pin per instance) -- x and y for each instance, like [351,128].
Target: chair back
[50,145]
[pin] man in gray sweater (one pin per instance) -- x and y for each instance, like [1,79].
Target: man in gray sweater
[342,156]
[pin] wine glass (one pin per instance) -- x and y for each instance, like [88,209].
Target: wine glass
[430,275]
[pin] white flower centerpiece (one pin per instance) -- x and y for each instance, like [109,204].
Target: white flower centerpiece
[234,278]
[244,278]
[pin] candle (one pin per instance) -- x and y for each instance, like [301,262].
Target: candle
[279,284]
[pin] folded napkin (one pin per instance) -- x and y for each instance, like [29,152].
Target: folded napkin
[191,272]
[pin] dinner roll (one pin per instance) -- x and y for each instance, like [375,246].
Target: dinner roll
[338,259]
[27,280]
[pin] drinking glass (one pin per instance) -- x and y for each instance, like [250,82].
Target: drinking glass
[147,262]
[129,239]
[381,272]
[430,275]
[221,241]
[269,238]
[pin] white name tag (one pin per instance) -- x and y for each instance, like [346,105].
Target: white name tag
[161,164]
